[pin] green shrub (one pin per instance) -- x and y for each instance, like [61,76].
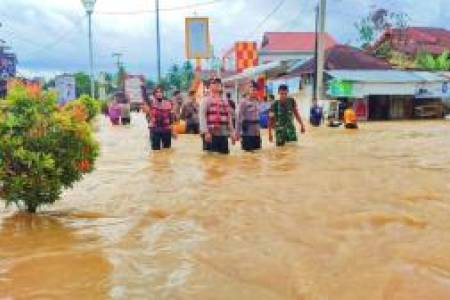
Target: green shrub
[42,149]
[92,106]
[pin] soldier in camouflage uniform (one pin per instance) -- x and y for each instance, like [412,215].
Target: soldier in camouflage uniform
[282,116]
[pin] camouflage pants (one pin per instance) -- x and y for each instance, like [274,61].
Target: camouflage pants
[285,135]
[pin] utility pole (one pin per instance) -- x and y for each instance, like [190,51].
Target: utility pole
[316,52]
[118,56]
[119,65]
[158,42]
[321,48]
[89,6]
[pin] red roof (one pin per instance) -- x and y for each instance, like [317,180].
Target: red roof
[416,39]
[293,41]
[342,57]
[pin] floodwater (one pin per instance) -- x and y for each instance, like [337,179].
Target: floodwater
[342,215]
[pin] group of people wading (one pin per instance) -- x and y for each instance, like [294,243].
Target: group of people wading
[218,121]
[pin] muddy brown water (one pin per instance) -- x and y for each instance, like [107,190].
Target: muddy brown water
[342,215]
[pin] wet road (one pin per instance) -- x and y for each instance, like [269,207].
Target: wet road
[343,215]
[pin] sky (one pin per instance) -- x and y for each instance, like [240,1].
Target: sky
[50,36]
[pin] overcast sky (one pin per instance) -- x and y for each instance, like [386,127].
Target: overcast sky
[50,36]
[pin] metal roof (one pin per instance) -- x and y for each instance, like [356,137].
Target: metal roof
[385,76]
[255,71]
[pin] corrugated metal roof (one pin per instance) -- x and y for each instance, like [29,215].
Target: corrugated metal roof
[385,76]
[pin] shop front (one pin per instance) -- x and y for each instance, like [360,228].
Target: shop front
[390,94]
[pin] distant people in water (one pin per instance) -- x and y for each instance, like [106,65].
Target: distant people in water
[190,114]
[350,119]
[316,115]
[114,112]
[282,116]
[125,108]
[177,103]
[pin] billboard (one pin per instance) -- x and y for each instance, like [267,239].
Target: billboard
[8,62]
[133,88]
[66,88]
[197,38]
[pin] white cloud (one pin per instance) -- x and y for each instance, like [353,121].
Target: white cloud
[50,35]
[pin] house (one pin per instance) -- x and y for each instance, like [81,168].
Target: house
[282,46]
[413,40]
[338,57]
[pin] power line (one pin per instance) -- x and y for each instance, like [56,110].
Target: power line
[263,21]
[139,12]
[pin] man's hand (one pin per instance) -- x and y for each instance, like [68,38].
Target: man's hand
[234,138]
[208,137]
[302,129]
[270,138]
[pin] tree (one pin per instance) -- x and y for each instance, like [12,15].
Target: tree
[49,84]
[187,75]
[83,84]
[428,62]
[43,149]
[174,77]
[376,22]
[120,77]
[150,84]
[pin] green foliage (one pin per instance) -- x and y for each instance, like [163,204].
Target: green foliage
[43,149]
[376,22]
[385,50]
[174,77]
[401,60]
[187,75]
[104,107]
[177,78]
[83,84]
[428,62]
[92,106]
[150,84]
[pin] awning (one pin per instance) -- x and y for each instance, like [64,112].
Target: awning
[362,83]
[385,76]
[255,71]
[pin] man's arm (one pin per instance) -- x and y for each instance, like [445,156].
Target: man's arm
[202,117]
[238,125]
[271,122]
[183,112]
[298,117]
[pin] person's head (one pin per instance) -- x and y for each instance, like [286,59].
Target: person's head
[176,94]
[283,91]
[192,94]
[271,97]
[253,89]
[158,92]
[228,95]
[215,85]
[349,105]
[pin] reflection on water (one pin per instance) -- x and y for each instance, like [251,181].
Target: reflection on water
[342,215]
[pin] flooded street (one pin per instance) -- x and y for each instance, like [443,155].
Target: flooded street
[343,215]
